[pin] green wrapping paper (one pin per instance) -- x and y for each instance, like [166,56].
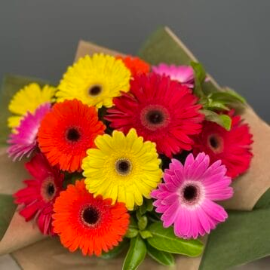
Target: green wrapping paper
[241,239]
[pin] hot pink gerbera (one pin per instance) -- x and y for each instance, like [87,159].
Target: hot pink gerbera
[24,141]
[161,110]
[38,197]
[182,74]
[186,199]
[232,147]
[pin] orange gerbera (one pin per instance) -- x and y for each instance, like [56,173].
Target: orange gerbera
[87,223]
[67,131]
[135,65]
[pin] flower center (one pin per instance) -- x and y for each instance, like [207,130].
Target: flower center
[215,142]
[123,166]
[90,216]
[190,193]
[95,90]
[48,190]
[73,135]
[154,117]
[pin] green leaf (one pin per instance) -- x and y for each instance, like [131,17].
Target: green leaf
[142,222]
[150,206]
[161,257]
[145,234]
[143,209]
[135,255]
[146,207]
[132,223]
[7,211]
[199,74]
[10,85]
[243,238]
[116,251]
[199,71]
[164,239]
[131,233]
[221,119]
[215,105]
[264,201]
[228,96]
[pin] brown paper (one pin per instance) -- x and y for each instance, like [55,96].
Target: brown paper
[19,233]
[49,254]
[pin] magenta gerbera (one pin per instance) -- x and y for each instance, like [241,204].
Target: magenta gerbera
[24,141]
[37,199]
[161,110]
[186,198]
[182,74]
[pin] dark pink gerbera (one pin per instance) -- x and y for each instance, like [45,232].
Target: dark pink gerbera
[38,197]
[161,110]
[232,147]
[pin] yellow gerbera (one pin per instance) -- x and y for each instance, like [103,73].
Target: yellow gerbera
[28,99]
[123,168]
[95,80]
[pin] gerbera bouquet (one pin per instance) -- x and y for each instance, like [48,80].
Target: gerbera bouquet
[128,156]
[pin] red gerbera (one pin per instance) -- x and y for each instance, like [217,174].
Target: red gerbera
[135,65]
[161,111]
[38,197]
[232,147]
[67,131]
[90,224]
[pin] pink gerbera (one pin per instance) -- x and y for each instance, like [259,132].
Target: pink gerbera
[182,74]
[232,147]
[186,199]
[38,197]
[161,110]
[24,141]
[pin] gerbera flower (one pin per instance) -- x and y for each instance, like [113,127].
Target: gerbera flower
[24,141]
[186,199]
[28,99]
[123,168]
[95,80]
[232,147]
[87,223]
[182,74]
[135,65]
[161,111]
[67,132]
[36,200]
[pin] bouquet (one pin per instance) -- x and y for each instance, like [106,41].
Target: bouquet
[129,155]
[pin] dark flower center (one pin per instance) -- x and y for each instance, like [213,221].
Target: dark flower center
[95,90]
[155,117]
[123,166]
[50,189]
[73,135]
[90,215]
[214,142]
[190,193]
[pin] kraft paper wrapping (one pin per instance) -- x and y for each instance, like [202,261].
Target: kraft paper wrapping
[49,254]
